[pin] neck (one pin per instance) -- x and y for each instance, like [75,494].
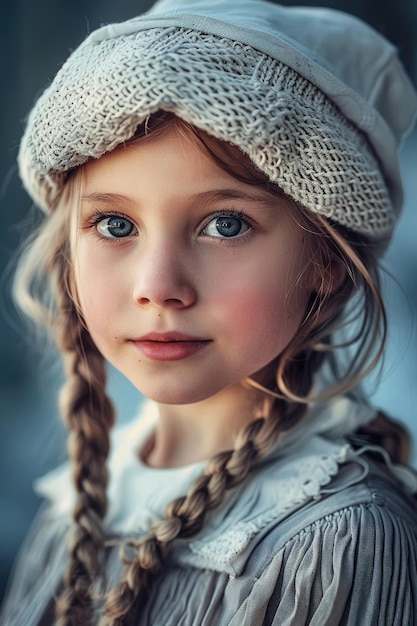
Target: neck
[195,432]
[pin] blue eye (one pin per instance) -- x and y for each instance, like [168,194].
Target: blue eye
[116,227]
[226,226]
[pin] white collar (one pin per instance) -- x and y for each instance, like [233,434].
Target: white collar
[307,459]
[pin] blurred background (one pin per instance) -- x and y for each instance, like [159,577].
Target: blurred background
[36,38]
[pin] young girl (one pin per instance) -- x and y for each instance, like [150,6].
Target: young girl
[220,181]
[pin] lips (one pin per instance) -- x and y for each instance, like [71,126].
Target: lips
[171,346]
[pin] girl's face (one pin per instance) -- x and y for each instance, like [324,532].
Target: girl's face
[186,277]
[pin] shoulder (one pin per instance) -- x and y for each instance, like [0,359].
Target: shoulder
[37,572]
[349,554]
[360,500]
[313,474]
[360,487]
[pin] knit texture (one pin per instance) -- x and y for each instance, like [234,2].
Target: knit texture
[289,129]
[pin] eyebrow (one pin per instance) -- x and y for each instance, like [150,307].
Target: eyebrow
[106,198]
[260,195]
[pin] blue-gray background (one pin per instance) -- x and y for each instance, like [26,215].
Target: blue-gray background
[36,37]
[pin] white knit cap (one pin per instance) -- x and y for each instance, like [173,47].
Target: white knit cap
[317,100]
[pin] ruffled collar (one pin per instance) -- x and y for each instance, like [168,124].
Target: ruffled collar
[307,460]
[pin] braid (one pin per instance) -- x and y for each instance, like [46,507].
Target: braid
[184,516]
[89,416]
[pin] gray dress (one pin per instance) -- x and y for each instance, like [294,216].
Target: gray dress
[336,547]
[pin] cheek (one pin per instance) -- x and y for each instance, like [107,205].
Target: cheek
[99,290]
[261,314]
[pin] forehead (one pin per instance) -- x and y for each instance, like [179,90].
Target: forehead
[171,163]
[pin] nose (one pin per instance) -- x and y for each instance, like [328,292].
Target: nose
[163,278]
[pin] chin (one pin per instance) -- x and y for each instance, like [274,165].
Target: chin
[174,396]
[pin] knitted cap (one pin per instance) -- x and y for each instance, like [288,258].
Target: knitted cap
[317,100]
